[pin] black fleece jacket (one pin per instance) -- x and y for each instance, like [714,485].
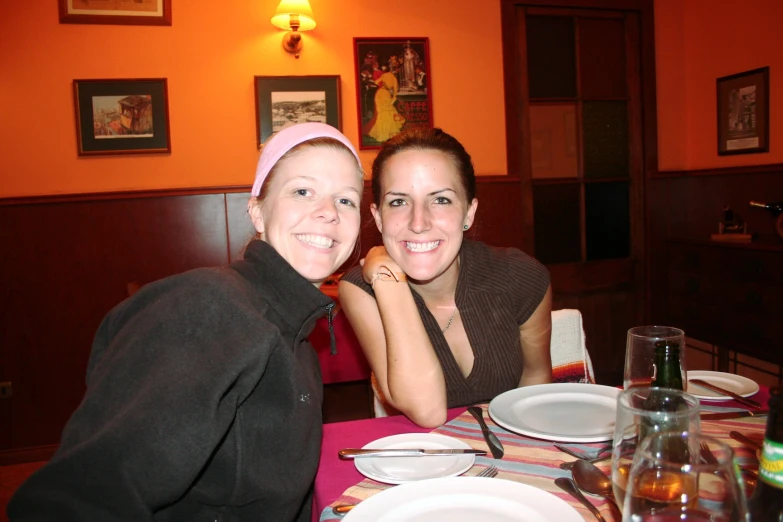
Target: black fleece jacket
[203,403]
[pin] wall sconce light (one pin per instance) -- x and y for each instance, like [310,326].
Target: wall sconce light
[293,16]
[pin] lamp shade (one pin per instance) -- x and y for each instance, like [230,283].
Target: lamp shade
[287,8]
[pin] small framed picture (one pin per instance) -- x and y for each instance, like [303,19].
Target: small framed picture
[743,112]
[122,116]
[393,87]
[121,12]
[282,101]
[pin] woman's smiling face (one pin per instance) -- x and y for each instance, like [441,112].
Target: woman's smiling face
[422,212]
[310,213]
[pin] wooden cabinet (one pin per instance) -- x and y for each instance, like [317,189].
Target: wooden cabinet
[729,295]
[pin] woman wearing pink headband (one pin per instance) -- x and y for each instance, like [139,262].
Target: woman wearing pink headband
[203,394]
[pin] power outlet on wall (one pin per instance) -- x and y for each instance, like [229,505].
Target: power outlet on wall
[6,390]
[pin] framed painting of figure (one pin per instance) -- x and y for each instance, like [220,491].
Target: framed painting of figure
[393,86]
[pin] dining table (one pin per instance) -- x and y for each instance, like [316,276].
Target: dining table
[532,461]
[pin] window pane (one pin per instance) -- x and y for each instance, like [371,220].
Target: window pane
[551,57]
[553,141]
[607,220]
[556,216]
[602,58]
[605,139]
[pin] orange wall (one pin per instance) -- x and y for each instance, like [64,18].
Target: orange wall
[698,41]
[214,49]
[210,55]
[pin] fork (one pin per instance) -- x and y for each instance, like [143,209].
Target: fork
[585,455]
[488,472]
[706,454]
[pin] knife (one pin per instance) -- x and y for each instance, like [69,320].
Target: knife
[747,441]
[492,440]
[732,414]
[354,453]
[727,393]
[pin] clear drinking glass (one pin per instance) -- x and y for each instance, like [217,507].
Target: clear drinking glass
[684,477]
[675,410]
[640,353]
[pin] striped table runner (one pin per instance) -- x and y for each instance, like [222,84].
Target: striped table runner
[536,462]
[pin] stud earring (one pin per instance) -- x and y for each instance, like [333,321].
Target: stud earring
[465,227]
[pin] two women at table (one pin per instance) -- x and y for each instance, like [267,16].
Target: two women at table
[204,397]
[443,321]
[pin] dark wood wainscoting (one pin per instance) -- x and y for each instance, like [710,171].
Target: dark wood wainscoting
[67,260]
[723,294]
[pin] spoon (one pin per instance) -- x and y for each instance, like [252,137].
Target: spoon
[567,485]
[591,479]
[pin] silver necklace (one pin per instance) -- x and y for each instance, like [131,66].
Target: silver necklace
[453,312]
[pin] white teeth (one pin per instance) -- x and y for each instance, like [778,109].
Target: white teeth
[316,241]
[421,247]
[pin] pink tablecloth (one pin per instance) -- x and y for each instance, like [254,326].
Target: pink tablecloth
[335,475]
[527,460]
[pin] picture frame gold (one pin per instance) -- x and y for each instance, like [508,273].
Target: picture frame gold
[118,12]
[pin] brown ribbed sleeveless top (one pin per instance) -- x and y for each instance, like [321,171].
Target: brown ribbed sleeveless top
[498,289]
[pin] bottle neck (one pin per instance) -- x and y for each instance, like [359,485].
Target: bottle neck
[668,373]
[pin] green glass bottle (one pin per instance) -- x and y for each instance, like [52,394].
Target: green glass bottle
[667,375]
[766,503]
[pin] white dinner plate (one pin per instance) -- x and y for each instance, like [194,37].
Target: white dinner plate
[399,470]
[728,381]
[464,499]
[563,412]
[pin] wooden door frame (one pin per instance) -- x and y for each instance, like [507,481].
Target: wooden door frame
[517,144]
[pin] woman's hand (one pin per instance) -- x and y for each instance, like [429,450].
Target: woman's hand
[379,263]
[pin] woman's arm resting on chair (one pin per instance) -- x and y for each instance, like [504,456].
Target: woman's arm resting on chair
[535,336]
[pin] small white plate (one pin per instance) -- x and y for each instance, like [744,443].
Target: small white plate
[562,412]
[728,381]
[399,470]
[464,499]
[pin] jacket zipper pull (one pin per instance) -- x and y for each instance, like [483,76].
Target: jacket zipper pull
[332,341]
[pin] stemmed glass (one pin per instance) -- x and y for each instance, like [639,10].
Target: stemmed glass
[635,419]
[684,477]
[640,353]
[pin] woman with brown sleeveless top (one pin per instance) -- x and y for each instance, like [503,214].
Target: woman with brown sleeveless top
[443,321]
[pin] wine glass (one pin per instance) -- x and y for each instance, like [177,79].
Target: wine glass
[680,476]
[640,412]
[640,353]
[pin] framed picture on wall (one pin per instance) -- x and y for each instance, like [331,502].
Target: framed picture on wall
[122,12]
[743,112]
[393,87]
[122,116]
[282,101]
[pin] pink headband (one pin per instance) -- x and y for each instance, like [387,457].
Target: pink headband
[289,138]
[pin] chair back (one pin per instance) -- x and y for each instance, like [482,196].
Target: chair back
[570,359]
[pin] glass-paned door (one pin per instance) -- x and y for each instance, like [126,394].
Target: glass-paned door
[579,136]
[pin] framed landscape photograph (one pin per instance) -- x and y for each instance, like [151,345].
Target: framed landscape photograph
[121,12]
[743,112]
[122,116]
[393,87]
[282,101]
